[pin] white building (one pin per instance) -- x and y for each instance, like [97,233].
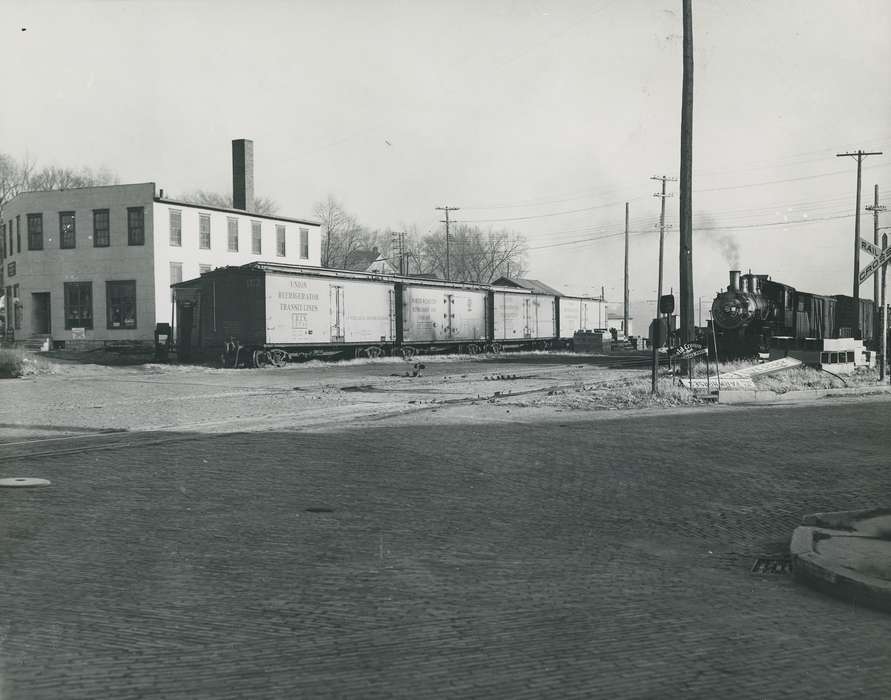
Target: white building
[94,265]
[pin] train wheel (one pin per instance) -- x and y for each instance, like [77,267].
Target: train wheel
[496,348]
[261,359]
[473,349]
[373,352]
[407,352]
[278,357]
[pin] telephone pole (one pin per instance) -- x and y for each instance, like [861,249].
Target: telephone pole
[663,195]
[657,339]
[859,155]
[875,209]
[445,221]
[398,238]
[625,316]
[686,182]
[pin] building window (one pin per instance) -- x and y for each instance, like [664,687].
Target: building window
[135,226]
[17,307]
[78,305]
[18,233]
[204,231]
[3,239]
[35,231]
[67,235]
[850,356]
[304,244]
[10,269]
[280,248]
[256,238]
[176,272]
[11,251]
[203,268]
[233,235]
[120,304]
[176,227]
[101,231]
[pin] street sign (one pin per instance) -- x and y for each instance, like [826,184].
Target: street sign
[870,248]
[875,265]
[687,352]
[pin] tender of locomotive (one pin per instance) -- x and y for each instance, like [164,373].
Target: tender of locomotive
[755,314]
[269,313]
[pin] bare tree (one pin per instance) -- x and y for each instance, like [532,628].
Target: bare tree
[475,255]
[342,235]
[53,177]
[262,205]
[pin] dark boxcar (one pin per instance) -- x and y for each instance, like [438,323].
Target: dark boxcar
[855,315]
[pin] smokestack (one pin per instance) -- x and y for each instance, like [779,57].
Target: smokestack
[243,174]
[734,281]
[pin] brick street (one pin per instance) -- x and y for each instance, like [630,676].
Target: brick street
[465,555]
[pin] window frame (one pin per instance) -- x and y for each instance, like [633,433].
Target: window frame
[133,239]
[35,237]
[176,233]
[281,241]
[176,265]
[18,233]
[256,237]
[69,287]
[202,233]
[120,284]
[304,244]
[63,243]
[232,242]
[16,309]
[96,231]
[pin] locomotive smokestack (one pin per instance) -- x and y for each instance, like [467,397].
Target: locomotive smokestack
[734,281]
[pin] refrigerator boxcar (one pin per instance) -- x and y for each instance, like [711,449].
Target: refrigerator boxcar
[581,314]
[522,318]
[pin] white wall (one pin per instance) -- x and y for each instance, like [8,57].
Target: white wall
[191,256]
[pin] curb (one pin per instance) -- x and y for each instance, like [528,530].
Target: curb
[743,396]
[830,577]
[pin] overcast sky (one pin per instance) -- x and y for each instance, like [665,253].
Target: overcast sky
[539,116]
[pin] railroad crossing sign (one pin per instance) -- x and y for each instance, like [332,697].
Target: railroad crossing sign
[881,257]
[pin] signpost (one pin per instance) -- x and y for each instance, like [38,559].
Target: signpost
[881,257]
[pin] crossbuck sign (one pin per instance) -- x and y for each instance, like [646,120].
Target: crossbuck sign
[880,257]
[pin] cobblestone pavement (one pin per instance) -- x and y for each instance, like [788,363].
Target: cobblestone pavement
[457,558]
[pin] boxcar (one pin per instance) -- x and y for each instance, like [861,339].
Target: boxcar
[581,314]
[443,314]
[521,317]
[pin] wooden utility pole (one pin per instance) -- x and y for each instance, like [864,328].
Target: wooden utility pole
[445,221]
[859,155]
[686,182]
[625,315]
[657,335]
[883,351]
[875,209]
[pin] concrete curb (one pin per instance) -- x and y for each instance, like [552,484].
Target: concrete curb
[743,396]
[832,577]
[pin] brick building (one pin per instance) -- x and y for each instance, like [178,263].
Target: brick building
[94,265]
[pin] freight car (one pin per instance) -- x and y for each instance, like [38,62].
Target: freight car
[755,312]
[263,313]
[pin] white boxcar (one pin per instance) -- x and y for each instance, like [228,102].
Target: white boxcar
[316,310]
[582,314]
[442,314]
[522,316]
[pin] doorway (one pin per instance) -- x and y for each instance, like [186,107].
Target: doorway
[40,313]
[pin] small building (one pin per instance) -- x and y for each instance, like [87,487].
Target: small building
[92,266]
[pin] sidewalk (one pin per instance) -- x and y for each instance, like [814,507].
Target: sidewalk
[846,554]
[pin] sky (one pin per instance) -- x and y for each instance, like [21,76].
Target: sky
[535,116]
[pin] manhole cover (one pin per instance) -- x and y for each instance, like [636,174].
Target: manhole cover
[772,565]
[319,509]
[21,481]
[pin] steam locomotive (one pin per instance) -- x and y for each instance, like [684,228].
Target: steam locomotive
[755,313]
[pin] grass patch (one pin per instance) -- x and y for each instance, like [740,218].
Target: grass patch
[11,363]
[627,392]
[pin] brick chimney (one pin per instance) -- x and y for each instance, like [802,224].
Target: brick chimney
[243,174]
